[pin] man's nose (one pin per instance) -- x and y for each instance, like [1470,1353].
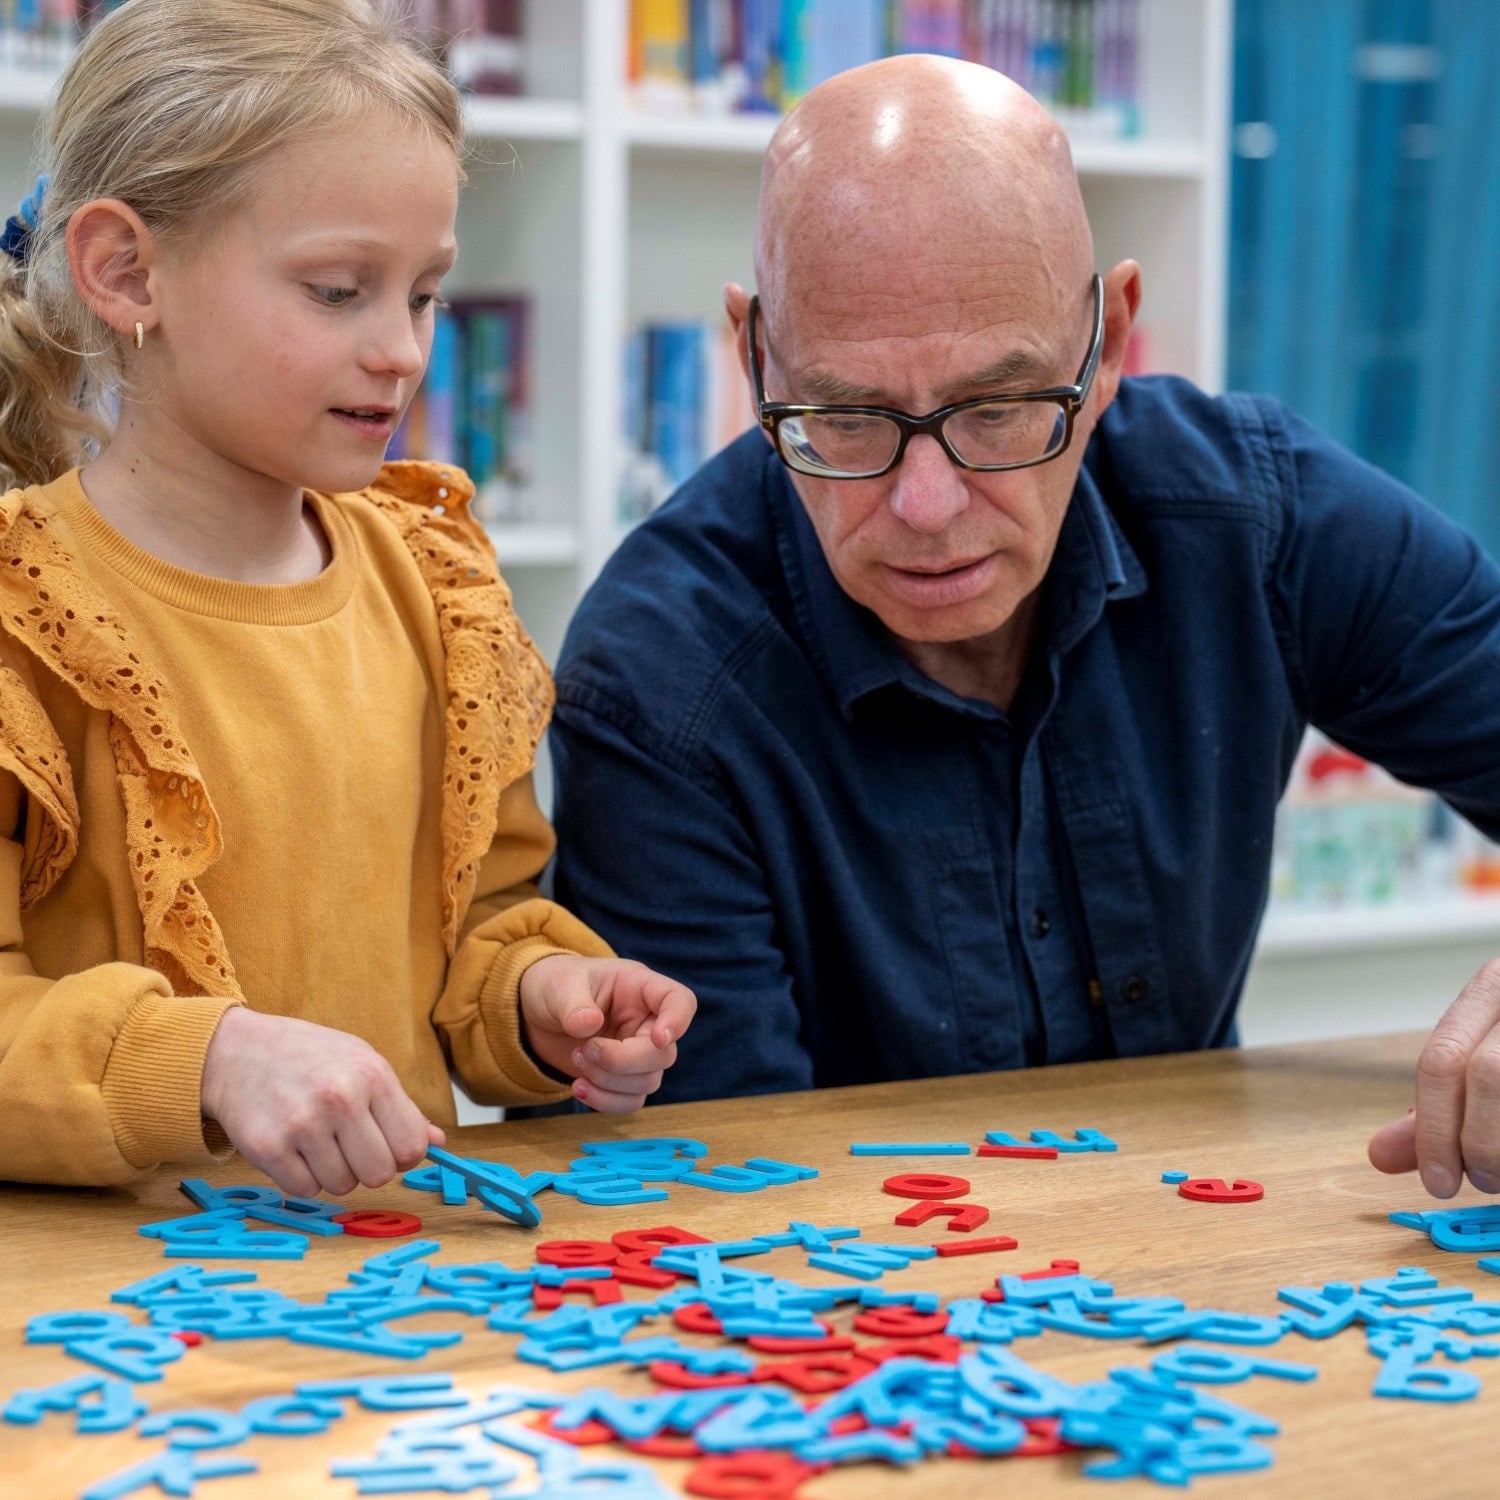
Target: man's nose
[930,489]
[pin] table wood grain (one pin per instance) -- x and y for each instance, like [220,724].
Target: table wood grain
[1293,1118]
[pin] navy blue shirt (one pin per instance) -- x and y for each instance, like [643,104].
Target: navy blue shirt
[865,876]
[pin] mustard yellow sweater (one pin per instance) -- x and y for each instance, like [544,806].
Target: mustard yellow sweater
[314,799]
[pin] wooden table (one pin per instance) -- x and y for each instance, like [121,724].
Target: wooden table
[1293,1118]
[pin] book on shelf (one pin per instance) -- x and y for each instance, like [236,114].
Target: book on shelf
[473,407]
[684,399]
[40,35]
[479,42]
[1078,57]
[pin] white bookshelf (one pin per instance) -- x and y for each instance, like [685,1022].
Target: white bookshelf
[605,215]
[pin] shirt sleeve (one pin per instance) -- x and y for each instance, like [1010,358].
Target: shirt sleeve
[1391,620]
[657,861]
[100,1071]
[509,927]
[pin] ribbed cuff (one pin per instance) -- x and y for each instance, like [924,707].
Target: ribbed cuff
[500,1006]
[154,1077]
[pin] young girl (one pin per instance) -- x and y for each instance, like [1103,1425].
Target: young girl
[267,718]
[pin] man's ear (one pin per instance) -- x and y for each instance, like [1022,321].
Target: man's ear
[1122,300]
[737,307]
[111,254]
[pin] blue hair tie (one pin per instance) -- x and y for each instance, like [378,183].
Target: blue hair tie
[15,240]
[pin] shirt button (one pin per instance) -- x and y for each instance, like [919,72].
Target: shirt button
[1134,989]
[1041,923]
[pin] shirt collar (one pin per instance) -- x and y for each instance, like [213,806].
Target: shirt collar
[1094,565]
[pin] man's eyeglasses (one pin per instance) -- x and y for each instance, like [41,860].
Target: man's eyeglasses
[984,435]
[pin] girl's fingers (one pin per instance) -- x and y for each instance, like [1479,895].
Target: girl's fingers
[632,1054]
[606,1101]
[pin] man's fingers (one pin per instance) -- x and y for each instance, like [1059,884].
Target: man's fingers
[606,1101]
[1480,1139]
[1393,1148]
[1442,1072]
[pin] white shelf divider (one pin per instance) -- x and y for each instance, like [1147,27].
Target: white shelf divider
[742,135]
[25,90]
[494,119]
[534,544]
[1292,933]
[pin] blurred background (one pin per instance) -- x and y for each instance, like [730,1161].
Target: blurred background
[1312,188]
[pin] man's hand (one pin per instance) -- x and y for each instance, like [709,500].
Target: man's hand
[611,1021]
[1455,1127]
[313,1108]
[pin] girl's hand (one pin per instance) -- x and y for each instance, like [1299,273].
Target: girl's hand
[313,1108]
[612,1022]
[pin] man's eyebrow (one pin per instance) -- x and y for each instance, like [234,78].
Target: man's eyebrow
[1019,369]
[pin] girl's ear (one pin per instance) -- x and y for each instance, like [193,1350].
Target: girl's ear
[111,253]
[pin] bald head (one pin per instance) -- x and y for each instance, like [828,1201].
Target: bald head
[917,180]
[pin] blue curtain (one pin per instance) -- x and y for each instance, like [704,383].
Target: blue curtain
[1365,233]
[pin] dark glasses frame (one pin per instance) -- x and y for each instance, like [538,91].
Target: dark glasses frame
[1070,398]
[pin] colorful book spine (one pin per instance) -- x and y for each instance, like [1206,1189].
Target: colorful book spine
[474,405]
[488,58]
[662,51]
[760,48]
[684,399]
[441,386]
[1078,57]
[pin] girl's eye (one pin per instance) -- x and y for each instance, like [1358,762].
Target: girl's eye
[423,300]
[333,296]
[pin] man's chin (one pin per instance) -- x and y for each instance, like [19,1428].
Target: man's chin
[945,627]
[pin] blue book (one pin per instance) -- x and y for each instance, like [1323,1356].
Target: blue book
[636,417]
[703,42]
[796,48]
[441,385]
[481,389]
[844,34]
[677,398]
[760,49]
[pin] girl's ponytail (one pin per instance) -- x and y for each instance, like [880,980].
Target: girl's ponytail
[44,424]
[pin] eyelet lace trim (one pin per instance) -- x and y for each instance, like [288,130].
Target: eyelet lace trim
[499,700]
[171,829]
[499,689]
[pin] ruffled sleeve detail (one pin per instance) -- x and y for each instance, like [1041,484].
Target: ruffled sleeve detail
[499,689]
[171,830]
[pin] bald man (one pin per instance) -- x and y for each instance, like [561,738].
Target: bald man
[939,724]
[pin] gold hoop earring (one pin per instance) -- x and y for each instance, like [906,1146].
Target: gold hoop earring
[140,336]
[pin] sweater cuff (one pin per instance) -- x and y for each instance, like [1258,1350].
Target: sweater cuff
[500,1006]
[153,1081]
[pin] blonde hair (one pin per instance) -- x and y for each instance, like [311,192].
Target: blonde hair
[171,106]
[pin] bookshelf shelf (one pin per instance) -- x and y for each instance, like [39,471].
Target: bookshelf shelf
[523,119]
[534,544]
[746,135]
[1292,933]
[25,90]
[749,135]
